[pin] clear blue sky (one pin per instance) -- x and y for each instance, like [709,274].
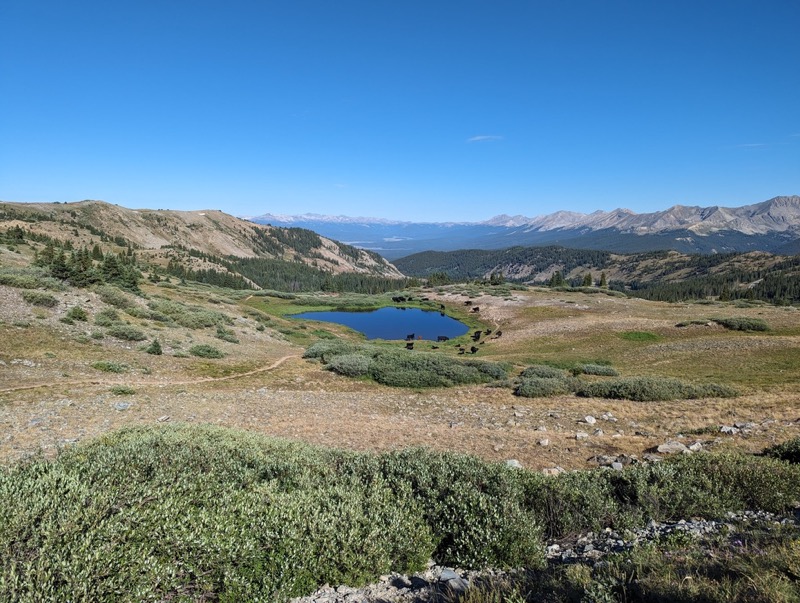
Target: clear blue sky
[418,110]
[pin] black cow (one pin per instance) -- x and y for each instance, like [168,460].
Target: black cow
[476,309]
[441,306]
[434,347]
[473,350]
[442,338]
[467,303]
[488,332]
[410,336]
[498,334]
[410,345]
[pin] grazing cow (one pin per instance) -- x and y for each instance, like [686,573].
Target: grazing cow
[442,338]
[410,345]
[441,306]
[473,350]
[461,352]
[476,309]
[434,347]
[488,332]
[467,303]
[498,334]
[410,336]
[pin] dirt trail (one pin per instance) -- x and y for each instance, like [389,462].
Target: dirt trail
[262,369]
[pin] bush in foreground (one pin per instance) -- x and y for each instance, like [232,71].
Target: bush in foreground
[205,513]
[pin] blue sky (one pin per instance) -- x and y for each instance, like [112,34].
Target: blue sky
[414,110]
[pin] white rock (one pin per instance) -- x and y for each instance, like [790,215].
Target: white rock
[590,419]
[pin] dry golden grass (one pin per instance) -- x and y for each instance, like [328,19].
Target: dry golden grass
[68,400]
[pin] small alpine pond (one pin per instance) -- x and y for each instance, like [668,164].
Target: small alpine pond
[394,323]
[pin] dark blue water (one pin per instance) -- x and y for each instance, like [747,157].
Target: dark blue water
[393,323]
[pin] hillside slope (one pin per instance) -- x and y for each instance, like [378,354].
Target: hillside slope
[211,234]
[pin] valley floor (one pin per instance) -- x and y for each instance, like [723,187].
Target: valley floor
[52,397]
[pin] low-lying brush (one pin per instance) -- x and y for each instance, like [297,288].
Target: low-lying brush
[198,512]
[114,297]
[106,318]
[602,370]
[30,278]
[743,323]
[206,351]
[109,367]
[788,451]
[191,317]
[400,368]
[39,298]
[77,313]
[652,389]
[126,332]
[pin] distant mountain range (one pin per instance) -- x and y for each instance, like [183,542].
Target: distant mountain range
[772,226]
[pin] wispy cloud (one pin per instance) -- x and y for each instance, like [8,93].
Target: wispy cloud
[484,138]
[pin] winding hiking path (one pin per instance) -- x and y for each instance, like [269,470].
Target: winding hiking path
[262,369]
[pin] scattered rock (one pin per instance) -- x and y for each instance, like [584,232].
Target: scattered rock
[514,464]
[672,447]
[581,435]
[163,418]
[589,419]
[729,430]
[122,405]
[543,442]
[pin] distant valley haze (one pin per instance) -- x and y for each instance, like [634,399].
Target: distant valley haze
[772,225]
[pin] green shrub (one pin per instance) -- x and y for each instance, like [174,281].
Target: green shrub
[114,297]
[39,298]
[742,324]
[601,370]
[191,317]
[106,318]
[226,335]
[350,365]
[154,348]
[475,509]
[126,332]
[30,278]
[122,390]
[542,371]
[787,451]
[650,389]
[109,367]
[77,313]
[66,320]
[209,513]
[542,387]
[325,350]
[205,351]
[97,335]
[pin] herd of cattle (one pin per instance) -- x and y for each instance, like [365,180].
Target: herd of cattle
[476,336]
